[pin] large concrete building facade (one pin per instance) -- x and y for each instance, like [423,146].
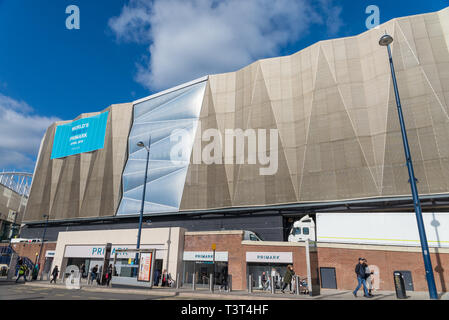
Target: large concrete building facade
[338,141]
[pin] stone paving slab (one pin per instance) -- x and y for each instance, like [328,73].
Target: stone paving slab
[326,294]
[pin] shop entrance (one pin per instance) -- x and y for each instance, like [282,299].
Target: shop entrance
[202,270]
[79,262]
[256,270]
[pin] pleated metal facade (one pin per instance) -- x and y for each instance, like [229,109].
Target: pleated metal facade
[334,108]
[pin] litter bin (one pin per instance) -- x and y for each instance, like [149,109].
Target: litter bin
[4,271]
[399,285]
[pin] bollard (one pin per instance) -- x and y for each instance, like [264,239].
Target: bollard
[250,283]
[273,285]
[297,285]
[211,282]
[193,282]
[177,281]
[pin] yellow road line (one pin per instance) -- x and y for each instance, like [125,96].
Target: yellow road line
[346,238]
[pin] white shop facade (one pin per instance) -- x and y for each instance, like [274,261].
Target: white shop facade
[88,248]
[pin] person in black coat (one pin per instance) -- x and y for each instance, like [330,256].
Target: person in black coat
[224,279]
[360,273]
[54,274]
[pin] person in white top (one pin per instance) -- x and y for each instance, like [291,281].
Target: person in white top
[369,277]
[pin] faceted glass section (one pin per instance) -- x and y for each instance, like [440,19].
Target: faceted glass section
[159,118]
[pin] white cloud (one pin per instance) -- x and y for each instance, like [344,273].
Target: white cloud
[21,132]
[188,39]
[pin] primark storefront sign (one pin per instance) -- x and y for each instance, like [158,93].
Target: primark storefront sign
[205,256]
[98,251]
[272,257]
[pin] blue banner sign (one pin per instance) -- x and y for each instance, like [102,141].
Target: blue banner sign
[83,135]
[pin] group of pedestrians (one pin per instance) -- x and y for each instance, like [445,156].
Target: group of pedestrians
[364,278]
[289,280]
[95,275]
[164,278]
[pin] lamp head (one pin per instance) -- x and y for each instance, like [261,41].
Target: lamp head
[386,40]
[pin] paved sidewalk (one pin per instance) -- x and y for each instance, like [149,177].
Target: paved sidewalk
[326,294]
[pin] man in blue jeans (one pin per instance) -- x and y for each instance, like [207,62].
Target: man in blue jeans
[360,272]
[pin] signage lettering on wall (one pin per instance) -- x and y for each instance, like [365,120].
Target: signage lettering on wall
[272,257]
[205,256]
[99,251]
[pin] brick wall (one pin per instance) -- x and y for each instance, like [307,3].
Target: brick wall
[344,261]
[232,243]
[341,258]
[299,257]
[31,250]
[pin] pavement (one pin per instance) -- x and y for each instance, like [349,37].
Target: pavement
[11,290]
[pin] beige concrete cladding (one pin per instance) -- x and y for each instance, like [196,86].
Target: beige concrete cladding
[334,106]
[82,185]
[11,201]
[171,239]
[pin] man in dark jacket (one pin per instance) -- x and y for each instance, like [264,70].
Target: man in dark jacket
[360,273]
[54,274]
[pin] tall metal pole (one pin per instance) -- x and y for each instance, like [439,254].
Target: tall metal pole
[386,40]
[143,202]
[42,244]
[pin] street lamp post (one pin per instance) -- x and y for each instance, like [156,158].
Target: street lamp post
[142,145]
[42,242]
[385,41]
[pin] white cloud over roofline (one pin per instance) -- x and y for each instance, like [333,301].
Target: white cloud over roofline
[188,39]
[21,132]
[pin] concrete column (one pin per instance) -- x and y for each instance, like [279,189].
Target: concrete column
[12,266]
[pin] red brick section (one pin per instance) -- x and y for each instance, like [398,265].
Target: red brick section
[299,256]
[31,250]
[344,261]
[232,243]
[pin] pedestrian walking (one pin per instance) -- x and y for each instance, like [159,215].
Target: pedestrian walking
[22,272]
[360,273]
[54,274]
[83,270]
[156,277]
[369,278]
[263,279]
[35,272]
[224,279]
[93,274]
[109,275]
[164,278]
[288,278]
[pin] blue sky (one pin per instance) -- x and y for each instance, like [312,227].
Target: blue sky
[125,50]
